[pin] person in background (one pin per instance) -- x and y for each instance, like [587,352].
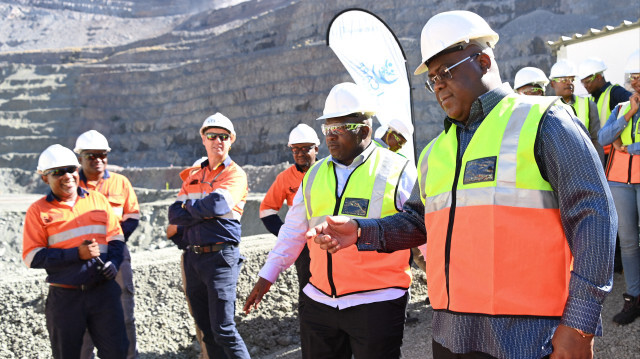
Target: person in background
[394,135]
[530,81]
[354,304]
[209,207]
[74,235]
[513,269]
[304,143]
[562,76]
[623,173]
[93,149]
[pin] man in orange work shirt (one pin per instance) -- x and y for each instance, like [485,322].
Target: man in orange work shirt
[93,149]
[208,209]
[74,235]
[304,143]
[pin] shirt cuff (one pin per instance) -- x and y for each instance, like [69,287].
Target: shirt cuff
[269,272]
[369,239]
[583,315]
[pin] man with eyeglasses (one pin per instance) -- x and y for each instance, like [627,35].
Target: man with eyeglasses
[93,148]
[512,204]
[354,304]
[393,136]
[304,143]
[530,81]
[562,76]
[74,235]
[208,211]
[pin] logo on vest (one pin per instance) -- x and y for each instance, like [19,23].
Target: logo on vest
[480,170]
[355,206]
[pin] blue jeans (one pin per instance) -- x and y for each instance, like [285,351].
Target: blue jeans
[627,200]
[211,289]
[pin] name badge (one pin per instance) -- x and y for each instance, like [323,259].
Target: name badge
[480,170]
[355,207]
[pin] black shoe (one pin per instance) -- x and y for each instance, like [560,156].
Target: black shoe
[630,311]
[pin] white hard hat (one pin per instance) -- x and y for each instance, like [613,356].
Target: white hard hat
[530,76]
[347,98]
[590,66]
[303,134]
[56,156]
[403,128]
[633,63]
[218,120]
[562,68]
[451,28]
[91,140]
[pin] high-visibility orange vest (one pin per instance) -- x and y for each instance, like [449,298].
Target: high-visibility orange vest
[495,242]
[369,193]
[624,167]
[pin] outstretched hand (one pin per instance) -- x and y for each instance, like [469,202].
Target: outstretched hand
[255,297]
[336,233]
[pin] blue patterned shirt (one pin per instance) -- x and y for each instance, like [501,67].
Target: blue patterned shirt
[568,161]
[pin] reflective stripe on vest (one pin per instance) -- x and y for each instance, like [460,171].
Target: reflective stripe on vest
[623,167]
[495,241]
[369,193]
[581,106]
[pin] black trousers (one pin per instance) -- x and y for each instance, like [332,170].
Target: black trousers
[440,352]
[366,331]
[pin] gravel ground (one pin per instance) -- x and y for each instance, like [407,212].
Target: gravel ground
[165,329]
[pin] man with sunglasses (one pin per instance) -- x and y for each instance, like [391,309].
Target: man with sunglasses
[208,211]
[74,235]
[562,76]
[93,149]
[517,266]
[304,143]
[530,81]
[354,304]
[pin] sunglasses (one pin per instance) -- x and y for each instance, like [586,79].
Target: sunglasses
[566,80]
[340,128]
[531,91]
[302,149]
[400,139]
[57,172]
[590,79]
[221,136]
[94,156]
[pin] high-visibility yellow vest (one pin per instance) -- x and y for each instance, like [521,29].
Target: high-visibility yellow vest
[495,243]
[604,111]
[624,167]
[581,107]
[369,193]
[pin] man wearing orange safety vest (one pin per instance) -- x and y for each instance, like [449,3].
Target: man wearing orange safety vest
[74,235]
[355,302]
[304,143]
[516,267]
[208,209]
[93,148]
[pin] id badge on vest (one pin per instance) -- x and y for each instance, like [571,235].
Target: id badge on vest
[480,170]
[355,206]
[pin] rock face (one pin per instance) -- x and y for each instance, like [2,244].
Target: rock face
[263,64]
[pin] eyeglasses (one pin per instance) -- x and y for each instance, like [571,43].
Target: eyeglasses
[399,138]
[565,80]
[590,79]
[57,172]
[94,156]
[445,73]
[340,128]
[221,136]
[301,149]
[634,77]
[531,91]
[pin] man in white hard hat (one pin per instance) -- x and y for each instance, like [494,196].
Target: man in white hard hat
[603,93]
[208,208]
[304,143]
[93,149]
[354,304]
[562,76]
[74,235]
[501,198]
[530,81]
[393,136]
[623,173]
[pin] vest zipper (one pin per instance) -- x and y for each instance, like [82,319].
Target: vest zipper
[452,214]
[336,209]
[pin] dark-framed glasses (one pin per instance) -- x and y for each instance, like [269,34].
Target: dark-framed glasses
[564,80]
[221,136]
[445,73]
[94,156]
[57,172]
[340,128]
[301,149]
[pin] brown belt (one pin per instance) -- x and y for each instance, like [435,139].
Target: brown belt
[83,287]
[208,248]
